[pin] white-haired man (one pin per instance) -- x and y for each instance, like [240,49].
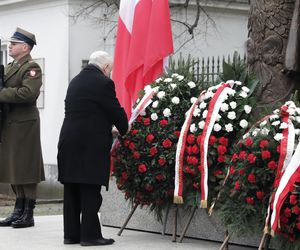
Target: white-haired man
[91,109]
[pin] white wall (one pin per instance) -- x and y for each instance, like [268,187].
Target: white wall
[49,22]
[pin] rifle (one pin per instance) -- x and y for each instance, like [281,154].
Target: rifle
[1,86]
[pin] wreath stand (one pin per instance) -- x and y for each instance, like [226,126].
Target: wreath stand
[265,242]
[164,221]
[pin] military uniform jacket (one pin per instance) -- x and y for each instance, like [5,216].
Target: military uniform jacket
[91,108]
[20,150]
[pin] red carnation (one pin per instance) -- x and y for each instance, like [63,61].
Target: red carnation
[192,160]
[177,133]
[167,143]
[134,132]
[190,139]
[231,170]
[251,158]
[260,195]
[293,200]
[195,149]
[159,177]
[251,178]
[223,141]
[243,155]
[139,119]
[278,149]
[142,168]
[132,145]
[211,140]
[272,165]
[163,123]
[265,154]
[146,121]
[153,151]
[249,142]
[199,138]
[287,212]
[148,187]
[136,155]
[218,172]
[150,138]
[196,185]
[296,210]
[124,175]
[237,185]
[263,144]
[162,161]
[189,150]
[222,149]
[242,171]
[234,157]
[250,200]
[221,158]
[126,143]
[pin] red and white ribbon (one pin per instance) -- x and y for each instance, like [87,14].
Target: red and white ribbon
[212,114]
[286,152]
[178,199]
[289,177]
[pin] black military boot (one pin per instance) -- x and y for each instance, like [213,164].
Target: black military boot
[26,220]
[16,214]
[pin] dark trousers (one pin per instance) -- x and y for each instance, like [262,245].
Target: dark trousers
[25,190]
[84,200]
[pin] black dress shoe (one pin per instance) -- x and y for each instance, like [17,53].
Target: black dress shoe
[71,241]
[98,242]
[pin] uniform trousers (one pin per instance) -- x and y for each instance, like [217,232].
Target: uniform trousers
[81,206]
[25,190]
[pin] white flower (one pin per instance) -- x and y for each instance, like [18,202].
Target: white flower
[201,124]
[231,115]
[255,132]
[217,127]
[291,111]
[273,117]
[155,89]
[154,117]
[196,112]
[297,131]
[173,85]
[298,111]
[276,123]
[224,107]
[278,137]
[161,94]
[193,128]
[180,77]
[147,88]
[283,125]
[243,94]
[158,80]
[276,112]
[168,80]
[238,83]
[264,131]
[230,82]
[174,75]
[202,105]
[246,89]
[193,99]
[231,92]
[232,105]
[218,118]
[167,112]
[191,84]
[204,114]
[263,123]
[229,127]
[143,113]
[243,123]
[208,94]
[175,100]
[247,109]
[155,104]
[298,119]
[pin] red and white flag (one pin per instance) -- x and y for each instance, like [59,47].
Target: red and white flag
[144,41]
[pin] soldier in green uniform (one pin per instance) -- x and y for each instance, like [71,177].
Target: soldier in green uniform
[21,162]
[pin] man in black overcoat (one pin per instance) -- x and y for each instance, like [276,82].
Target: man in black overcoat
[91,109]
